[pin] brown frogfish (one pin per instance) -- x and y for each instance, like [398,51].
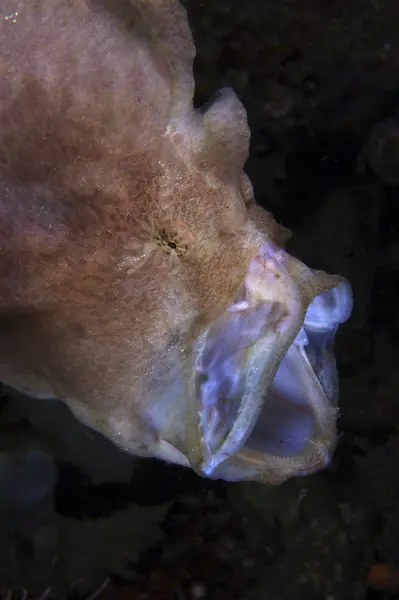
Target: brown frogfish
[140,283]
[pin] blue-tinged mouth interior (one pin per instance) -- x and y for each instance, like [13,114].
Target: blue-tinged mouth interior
[306,377]
[287,421]
[220,377]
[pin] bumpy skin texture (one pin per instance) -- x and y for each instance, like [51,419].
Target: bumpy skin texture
[127,224]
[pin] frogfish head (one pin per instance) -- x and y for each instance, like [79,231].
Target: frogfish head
[140,282]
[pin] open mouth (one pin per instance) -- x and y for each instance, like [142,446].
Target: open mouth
[266,382]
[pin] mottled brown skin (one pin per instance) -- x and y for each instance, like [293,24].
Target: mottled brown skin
[126,222]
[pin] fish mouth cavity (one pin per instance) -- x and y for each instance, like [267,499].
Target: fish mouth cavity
[263,410]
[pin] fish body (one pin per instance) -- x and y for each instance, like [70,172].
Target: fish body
[140,282]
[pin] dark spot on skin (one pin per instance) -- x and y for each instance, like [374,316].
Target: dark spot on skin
[170,243]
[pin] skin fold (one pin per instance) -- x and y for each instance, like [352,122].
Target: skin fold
[139,281]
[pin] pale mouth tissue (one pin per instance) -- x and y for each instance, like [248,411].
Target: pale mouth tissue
[240,418]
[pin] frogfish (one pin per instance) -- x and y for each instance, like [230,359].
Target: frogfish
[140,281]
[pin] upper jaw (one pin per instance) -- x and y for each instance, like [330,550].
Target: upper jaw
[264,385]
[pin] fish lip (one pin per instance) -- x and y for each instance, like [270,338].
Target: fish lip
[251,465]
[250,408]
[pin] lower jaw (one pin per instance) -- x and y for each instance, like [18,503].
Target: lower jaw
[249,465]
